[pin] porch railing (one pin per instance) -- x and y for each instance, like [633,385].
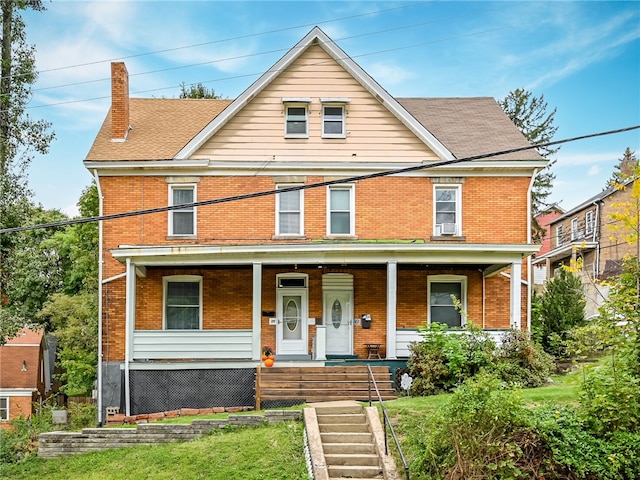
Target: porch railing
[192,344]
[387,422]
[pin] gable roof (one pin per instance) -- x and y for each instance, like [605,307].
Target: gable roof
[317,37]
[25,347]
[173,129]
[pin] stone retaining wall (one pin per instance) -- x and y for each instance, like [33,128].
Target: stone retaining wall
[54,444]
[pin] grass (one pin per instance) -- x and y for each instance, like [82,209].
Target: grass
[271,452]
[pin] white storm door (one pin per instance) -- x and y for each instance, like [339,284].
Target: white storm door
[338,318]
[291,329]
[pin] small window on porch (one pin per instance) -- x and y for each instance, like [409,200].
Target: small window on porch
[442,291]
[4,409]
[183,302]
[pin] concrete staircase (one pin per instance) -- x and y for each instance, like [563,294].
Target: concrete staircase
[346,440]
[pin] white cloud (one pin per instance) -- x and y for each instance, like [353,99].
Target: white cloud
[593,171]
[388,74]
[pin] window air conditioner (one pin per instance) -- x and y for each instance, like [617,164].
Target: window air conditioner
[448,229]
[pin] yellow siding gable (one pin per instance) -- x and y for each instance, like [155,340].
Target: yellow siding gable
[256,133]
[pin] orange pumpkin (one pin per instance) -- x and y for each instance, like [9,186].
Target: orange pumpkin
[264,357]
[269,362]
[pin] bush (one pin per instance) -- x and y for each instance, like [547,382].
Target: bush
[482,432]
[578,453]
[610,400]
[82,415]
[444,359]
[521,362]
[20,439]
[557,310]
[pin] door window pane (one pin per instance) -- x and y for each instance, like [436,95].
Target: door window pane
[291,319]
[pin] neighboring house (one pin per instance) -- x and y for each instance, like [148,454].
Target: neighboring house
[24,374]
[544,219]
[190,296]
[581,237]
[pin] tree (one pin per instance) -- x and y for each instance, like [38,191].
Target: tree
[624,170]
[20,138]
[530,115]
[558,310]
[71,311]
[197,90]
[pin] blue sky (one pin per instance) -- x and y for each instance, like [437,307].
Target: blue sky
[584,57]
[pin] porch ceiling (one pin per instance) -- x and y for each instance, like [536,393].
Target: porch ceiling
[496,256]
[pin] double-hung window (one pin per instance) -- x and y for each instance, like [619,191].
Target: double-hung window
[575,229]
[296,112]
[4,409]
[290,212]
[443,289]
[447,210]
[182,302]
[182,221]
[588,222]
[334,117]
[559,239]
[340,210]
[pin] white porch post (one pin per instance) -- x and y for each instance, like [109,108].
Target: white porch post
[516,291]
[320,352]
[129,322]
[256,332]
[392,295]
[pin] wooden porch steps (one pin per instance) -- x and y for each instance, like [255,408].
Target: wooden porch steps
[323,384]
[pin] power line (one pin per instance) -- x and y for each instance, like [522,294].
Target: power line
[247,196]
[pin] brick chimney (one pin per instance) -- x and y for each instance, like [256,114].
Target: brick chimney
[119,102]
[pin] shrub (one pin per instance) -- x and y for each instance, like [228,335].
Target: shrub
[557,310]
[20,439]
[521,362]
[82,415]
[610,400]
[444,359]
[578,453]
[482,432]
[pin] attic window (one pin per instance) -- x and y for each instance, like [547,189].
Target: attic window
[334,115]
[296,123]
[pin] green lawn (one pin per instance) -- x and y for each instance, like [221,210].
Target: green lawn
[271,452]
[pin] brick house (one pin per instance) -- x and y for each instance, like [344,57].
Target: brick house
[322,250]
[581,236]
[25,374]
[544,219]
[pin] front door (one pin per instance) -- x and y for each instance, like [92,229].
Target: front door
[291,328]
[338,318]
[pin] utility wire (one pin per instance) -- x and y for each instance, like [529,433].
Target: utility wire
[247,196]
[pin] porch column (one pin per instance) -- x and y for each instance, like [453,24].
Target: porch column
[129,322]
[256,332]
[516,291]
[392,295]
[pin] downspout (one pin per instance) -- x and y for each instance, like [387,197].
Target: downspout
[100,265]
[596,238]
[529,241]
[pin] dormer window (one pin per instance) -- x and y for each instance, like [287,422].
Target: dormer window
[296,112]
[334,117]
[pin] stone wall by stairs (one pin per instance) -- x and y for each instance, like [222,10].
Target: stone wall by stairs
[54,444]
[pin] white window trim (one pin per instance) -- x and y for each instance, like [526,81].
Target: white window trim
[352,209]
[559,233]
[335,103]
[296,103]
[301,207]
[462,280]
[183,186]
[588,222]
[7,399]
[180,278]
[437,226]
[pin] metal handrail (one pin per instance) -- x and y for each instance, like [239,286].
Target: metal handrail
[386,421]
